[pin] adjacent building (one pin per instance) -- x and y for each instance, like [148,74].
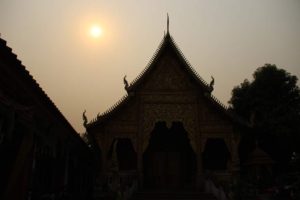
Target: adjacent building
[41,155]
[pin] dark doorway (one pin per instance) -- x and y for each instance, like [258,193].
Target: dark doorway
[215,155]
[169,161]
[126,156]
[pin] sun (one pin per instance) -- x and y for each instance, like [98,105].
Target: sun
[95,31]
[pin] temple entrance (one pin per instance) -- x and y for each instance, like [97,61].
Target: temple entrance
[169,161]
[126,156]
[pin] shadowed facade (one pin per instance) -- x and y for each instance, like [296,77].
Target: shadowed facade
[178,130]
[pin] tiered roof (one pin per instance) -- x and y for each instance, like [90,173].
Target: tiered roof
[166,42]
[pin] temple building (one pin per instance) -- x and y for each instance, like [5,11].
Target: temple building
[168,131]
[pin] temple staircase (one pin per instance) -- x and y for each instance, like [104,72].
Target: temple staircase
[171,195]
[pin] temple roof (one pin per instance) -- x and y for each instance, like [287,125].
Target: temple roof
[166,42]
[10,62]
[132,87]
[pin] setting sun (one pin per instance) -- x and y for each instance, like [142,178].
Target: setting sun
[95,31]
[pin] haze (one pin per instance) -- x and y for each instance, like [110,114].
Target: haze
[227,39]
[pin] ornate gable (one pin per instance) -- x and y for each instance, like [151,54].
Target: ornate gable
[168,70]
[167,75]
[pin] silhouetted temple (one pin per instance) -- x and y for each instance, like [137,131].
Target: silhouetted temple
[169,131]
[41,155]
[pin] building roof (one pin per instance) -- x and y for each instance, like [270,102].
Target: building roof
[13,64]
[167,42]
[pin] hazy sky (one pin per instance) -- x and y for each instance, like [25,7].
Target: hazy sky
[228,39]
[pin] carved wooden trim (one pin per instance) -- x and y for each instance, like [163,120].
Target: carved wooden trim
[185,113]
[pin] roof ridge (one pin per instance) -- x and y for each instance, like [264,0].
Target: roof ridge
[215,99]
[188,63]
[110,110]
[212,97]
[149,63]
[120,102]
[167,37]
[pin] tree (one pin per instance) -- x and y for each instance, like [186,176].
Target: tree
[271,103]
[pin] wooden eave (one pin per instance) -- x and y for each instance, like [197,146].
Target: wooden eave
[109,112]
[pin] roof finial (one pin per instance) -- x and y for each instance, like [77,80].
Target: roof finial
[167,23]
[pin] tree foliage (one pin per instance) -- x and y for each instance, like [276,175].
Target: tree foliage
[271,102]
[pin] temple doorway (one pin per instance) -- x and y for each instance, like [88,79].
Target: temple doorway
[126,156]
[169,161]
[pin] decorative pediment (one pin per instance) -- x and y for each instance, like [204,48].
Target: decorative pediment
[168,75]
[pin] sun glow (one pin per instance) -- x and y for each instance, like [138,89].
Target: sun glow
[95,31]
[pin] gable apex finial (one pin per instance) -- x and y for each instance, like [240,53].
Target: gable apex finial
[167,23]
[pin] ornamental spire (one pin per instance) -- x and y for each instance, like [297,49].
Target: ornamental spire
[167,23]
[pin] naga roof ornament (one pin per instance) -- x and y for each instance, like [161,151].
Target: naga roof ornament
[126,84]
